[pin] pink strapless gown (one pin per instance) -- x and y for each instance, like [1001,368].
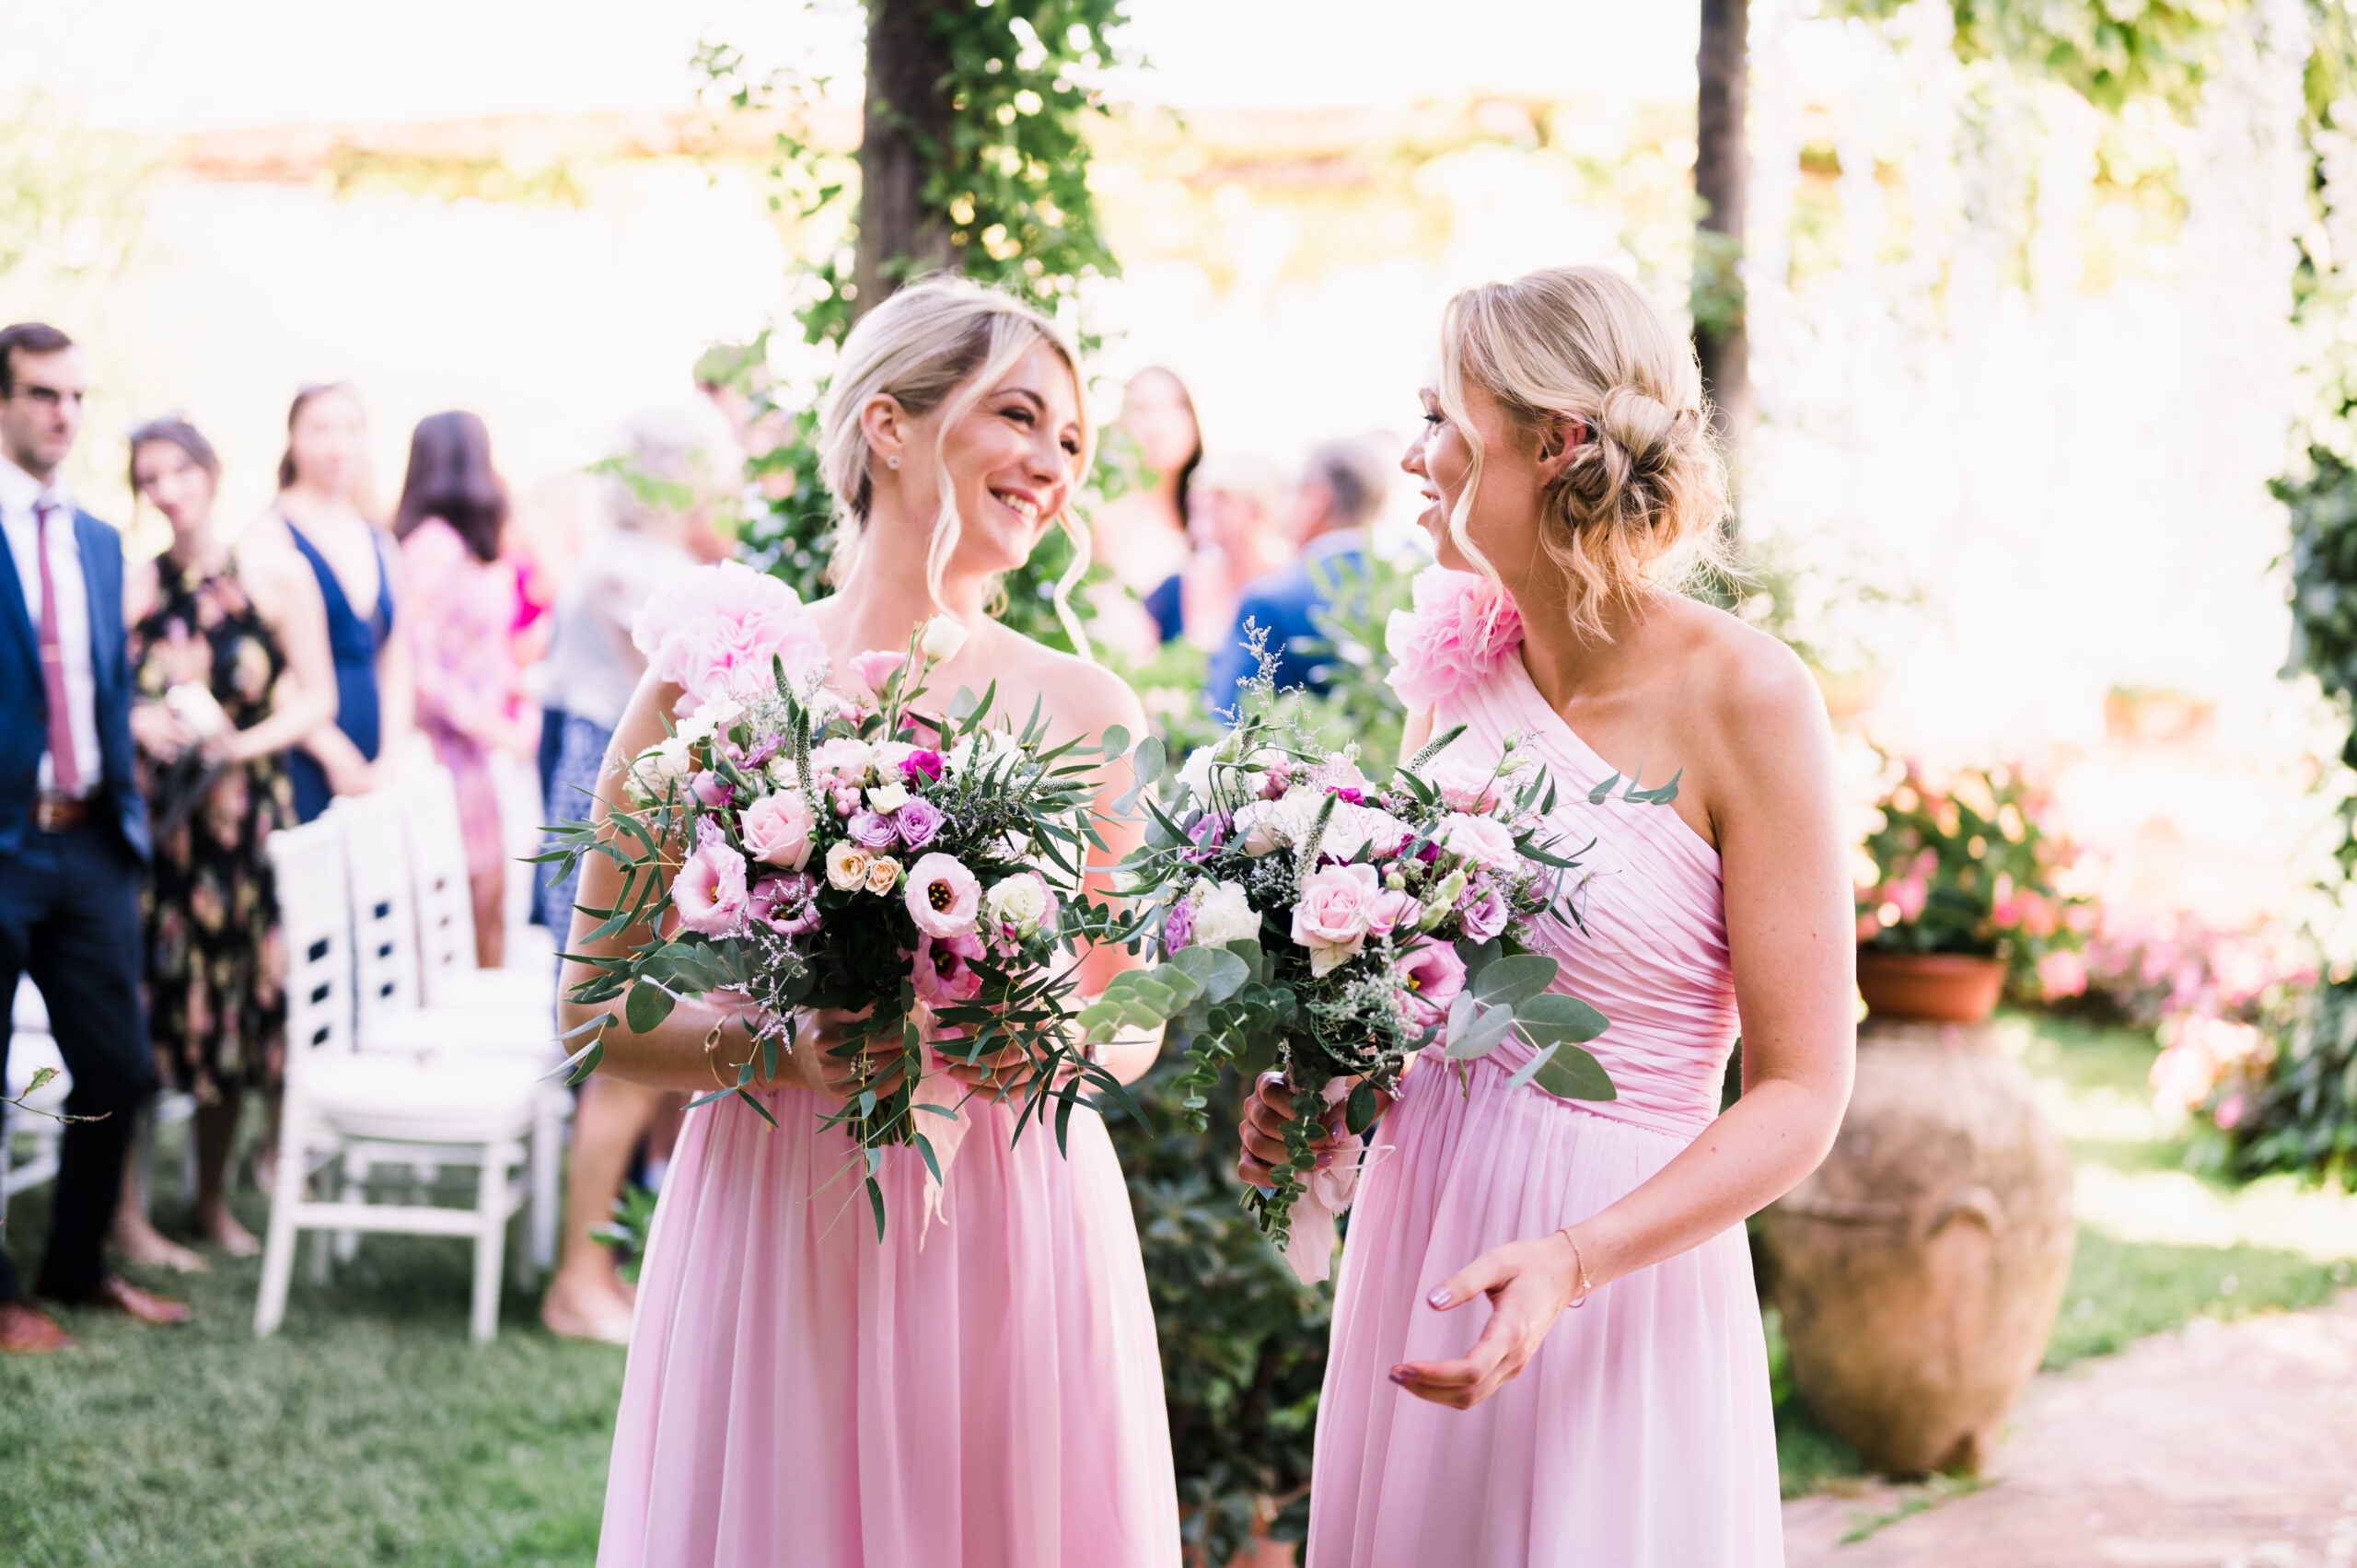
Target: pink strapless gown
[1641,1434]
[800,1395]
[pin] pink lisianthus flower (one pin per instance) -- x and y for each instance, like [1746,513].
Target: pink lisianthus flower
[920,767]
[1391,909]
[787,905]
[1483,911]
[709,891]
[943,896]
[1481,840]
[1465,785]
[917,822]
[2062,973]
[776,829]
[1462,628]
[875,666]
[715,626]
[941,970]
[1330,916]
[1430,977]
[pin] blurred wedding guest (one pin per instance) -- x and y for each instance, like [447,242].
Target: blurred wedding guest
[1236,516]
[1140,536]
[672,472]
[1340,495]
[229,669]
[323,484]
[73,827]
[469,615]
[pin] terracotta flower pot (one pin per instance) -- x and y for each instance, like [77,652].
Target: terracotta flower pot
[1918,1269]
[1941,988]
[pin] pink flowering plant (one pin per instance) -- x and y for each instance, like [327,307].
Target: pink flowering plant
[1966,866]
[817,851]
[1316,920]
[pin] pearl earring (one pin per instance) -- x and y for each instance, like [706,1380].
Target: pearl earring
[891,462]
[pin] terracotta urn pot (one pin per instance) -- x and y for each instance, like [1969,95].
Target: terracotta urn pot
[1948,988]
[1918,1269]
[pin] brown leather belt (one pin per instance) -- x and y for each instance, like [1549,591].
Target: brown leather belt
[62,813]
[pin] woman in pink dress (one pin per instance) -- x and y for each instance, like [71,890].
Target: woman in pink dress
[984,1389]
[469,606]
[1567,461]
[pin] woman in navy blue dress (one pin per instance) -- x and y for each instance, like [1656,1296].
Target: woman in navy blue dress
[321,482]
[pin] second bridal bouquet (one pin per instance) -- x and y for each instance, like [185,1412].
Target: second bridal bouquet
[1331,927]
[817,851]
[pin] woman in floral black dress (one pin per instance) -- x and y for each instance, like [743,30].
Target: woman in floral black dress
[229,666]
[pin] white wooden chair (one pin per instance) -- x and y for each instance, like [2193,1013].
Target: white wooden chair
[445,913]
[28,1142]
[348,1110]
[516,785]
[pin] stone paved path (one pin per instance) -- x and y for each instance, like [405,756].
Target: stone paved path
[2221,1445]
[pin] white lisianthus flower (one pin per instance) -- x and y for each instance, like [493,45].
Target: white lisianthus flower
[1018,901]
[887,799]
[1196,777]
[719,711]
[780,769]
[847,867]
[942,637]
[1223,914]
[889,755]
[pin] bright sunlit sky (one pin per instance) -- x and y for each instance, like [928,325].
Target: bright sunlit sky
[167,65]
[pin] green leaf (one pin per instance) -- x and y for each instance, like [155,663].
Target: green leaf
[1254,958]
[1573,1073]
[1481,1037]
[1358,1112]
[1553,1016]
[1147,765]
[1506,981]
[1603,792]
[1661,797]
[876,1201]
[925,1148]
[1116,742]
[1220,972]
[1478,956]
[648,1006]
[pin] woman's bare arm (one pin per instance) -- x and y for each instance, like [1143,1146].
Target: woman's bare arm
[1790,935]
[286,593]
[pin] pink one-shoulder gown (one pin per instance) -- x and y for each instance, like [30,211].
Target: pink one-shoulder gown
[1641,1434]
[986,1391]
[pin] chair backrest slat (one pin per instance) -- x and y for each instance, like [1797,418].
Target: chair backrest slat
[384,919]
[315,926]
[444,900]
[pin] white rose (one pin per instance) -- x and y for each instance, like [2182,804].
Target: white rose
[1224,915]
[781,770]
[720,710]
[1478,840]
[847,867]
[890,754]
[1196,777]
[941,639]
[887,799]
[1019,902]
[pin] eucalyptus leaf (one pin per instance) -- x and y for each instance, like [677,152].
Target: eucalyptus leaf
[1506,981]
[1115,741]
[1147,765]
[1220,972]
[1254,958]
[1573,1073]
[1553,1016]
[648,1006]
[1603,792]
[1483,1035]
[1358,1112]
[1460,1015]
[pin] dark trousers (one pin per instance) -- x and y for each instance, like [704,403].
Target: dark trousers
[69,917]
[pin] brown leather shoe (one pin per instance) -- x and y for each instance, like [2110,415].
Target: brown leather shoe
[27,1330]
[115,1294]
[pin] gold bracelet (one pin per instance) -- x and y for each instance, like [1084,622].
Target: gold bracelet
[712,1060]
[1579,1261]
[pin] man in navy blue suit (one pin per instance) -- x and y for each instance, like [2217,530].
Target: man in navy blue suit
[1341,492]
[72,826]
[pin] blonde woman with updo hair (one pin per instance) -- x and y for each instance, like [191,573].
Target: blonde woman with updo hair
[983,1388]
[1547,1345]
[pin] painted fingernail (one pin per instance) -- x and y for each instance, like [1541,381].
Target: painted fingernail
[1399,1376]
[1325,1160]
[1439,1297]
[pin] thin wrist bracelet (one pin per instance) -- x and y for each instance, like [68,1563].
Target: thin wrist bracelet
[712,1059]
[1579,1261]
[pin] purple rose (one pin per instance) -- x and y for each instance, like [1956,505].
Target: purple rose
[871,829]
[921,768]
[1210,830]
[916,822]
[787,904]
[1483,909]
[1179,925]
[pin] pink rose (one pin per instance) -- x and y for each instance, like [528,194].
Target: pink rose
[875,666]
[1465,784]
[943,896]
[1391,909]
[920,767]
[1480,839]
[2062,973]
[788,905]
[1462,629]
[709,891]
[1483,911]
[1430,977]
[711,627]
[1330,918]
[941,972]
[776,829]
[712,791]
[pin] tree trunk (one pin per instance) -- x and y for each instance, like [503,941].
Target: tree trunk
[1723,68]
[904,127]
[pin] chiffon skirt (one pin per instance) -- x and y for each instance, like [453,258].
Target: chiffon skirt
[987,1392]
[1639,1436]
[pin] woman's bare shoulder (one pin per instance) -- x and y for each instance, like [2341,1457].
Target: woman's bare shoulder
[1085,695]
[1758,695]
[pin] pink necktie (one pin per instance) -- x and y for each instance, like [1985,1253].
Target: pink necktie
[62,770]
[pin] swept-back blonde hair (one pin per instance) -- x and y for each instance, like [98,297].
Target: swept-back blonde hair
[1639,505]
[940,343]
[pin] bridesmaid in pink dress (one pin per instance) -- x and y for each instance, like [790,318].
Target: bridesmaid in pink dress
[983,1389]
[1567,460]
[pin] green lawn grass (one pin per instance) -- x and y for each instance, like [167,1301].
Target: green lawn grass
[2120,1291]
[368,1431]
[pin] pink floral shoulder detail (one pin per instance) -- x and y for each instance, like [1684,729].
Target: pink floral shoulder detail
[712,628]
[1462,629]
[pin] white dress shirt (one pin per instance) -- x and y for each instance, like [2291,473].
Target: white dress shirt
[19,493]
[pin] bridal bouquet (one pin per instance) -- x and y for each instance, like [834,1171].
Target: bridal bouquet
[1314,920]
[815,850]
